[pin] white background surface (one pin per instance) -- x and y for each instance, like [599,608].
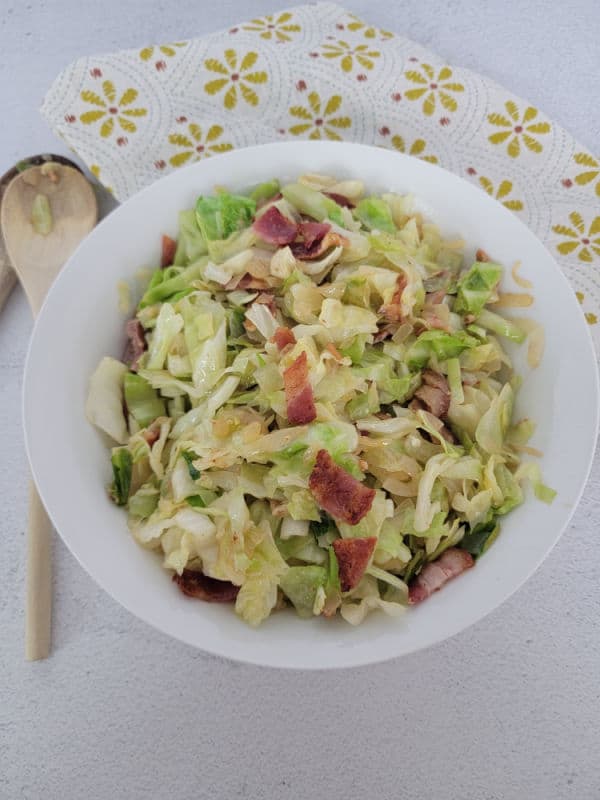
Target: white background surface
[508,709]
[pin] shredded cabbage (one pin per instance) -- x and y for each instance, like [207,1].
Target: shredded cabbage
[409,390]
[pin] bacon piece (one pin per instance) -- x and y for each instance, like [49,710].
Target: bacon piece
[482,256]
[136,343]
[200,586]
[282,337]
[384,333]
[338,492]
[319,247]
[246,281]
[353,557]
[340,199]
[313,232]
[267,299]
[169,246]
[298,392]
[434,393]
[392,312]
[434,575]
[275,228]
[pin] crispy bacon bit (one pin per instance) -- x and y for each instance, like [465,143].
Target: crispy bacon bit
[273,227]
[247,281]
[384,333]
[436,313]
[353,557]
[340,199]
[434,393]
[337,492]
[392,312]
[331,348]
[200,586]
[267,299]
[298,392]
[313,232]
[434,575]
[482,256]
[282,337]
[136,343]
[169,246]
[316,239]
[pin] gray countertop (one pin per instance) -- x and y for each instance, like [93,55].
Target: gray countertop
[508,709]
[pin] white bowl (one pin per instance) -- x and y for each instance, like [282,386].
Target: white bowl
[80,323]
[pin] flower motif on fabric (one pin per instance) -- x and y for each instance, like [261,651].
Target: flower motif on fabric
[417,148]
[368,31]
[196,144]
[320,118]
[591,173]
[433,87]
[581,238]
[168,50]
[274,27]
[590,318]
[518,128]
[348,54]
[236,78]
[501,193]
[110,109]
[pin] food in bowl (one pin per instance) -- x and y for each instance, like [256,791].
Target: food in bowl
[314,407]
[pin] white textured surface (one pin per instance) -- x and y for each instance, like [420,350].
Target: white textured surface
[507,710]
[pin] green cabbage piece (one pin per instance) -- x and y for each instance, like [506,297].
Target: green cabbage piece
[301,585]
[258,594]
[122,463]
[312,203]
[476,286]
[168,325]
[501,326]
[142,401]
[205,333]
[104,404]
[171,283]
[223,214]
[144,502]
[494,423]
[190,243]
[264,191]
[375,214]
[439,343]
[480,538]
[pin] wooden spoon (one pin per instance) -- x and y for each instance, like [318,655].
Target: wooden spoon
[8,277]
[46,211]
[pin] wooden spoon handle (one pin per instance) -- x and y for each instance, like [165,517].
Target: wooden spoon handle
[38,588]
[8,279]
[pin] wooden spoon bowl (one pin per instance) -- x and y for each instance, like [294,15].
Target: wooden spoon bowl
[37,252]
[8,277]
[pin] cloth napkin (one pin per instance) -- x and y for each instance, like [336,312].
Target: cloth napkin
[319,72]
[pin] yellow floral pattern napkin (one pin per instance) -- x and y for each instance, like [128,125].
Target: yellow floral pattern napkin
[319,72]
